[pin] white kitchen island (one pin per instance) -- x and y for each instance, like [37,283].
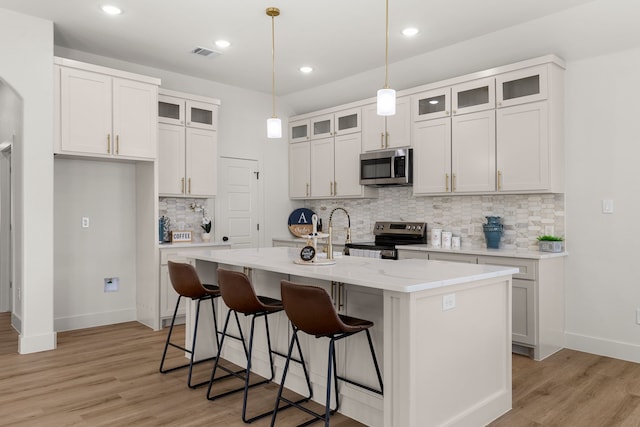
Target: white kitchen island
[442,333]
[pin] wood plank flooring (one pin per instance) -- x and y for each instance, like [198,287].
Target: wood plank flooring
[108,376]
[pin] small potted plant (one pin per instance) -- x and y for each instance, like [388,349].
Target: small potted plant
[206,226]
[551,243]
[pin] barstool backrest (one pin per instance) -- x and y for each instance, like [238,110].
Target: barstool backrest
[185,280]
[310,309]
[237,292]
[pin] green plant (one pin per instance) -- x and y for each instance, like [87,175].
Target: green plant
[550,238]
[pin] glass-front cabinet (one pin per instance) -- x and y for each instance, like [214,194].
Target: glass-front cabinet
[299,130]
[477,95]
[433,104]
[172,110]
[201,115]
[522,86]
[340,123]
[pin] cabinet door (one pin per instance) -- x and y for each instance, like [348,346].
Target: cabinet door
[168,296]
[348,121]
[171,160]
[135,118]
[201,162]
[322,126]
[433,104]
[299,131]
[300,170]
[523,147]
[399,125]
[473,152]
[171,110]
[477,95]
[373,129]
[322,161]
[432,156]
[347,165]
[202,115]
[85,112]
[523,314]
[522,86]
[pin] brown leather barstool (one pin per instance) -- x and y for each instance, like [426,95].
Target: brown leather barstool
[311,310]
[186,283]
[239,296]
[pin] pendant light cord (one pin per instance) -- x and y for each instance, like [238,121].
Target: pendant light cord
[386,50]
[273,64]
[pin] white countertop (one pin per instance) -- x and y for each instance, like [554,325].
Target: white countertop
[509,253]
[409,275]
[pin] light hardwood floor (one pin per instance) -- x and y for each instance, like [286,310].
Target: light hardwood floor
[108,376]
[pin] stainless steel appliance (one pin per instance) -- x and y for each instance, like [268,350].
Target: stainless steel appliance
[387,167]
[388,235]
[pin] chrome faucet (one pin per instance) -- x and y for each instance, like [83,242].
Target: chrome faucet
[330,243]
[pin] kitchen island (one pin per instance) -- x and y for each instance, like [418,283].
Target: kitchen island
[442,332]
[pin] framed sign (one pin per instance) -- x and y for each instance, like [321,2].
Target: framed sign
[180,236]
[300,222]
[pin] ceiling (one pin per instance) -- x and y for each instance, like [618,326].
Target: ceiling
[338,38]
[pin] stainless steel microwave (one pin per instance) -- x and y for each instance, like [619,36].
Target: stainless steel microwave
[387,167]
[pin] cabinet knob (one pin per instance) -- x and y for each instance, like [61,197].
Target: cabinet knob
[446,113]
[454,112]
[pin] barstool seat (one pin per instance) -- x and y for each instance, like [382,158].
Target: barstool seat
[187,284]
[311,311]
[239,296]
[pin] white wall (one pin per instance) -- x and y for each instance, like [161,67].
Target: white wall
[603,148]
[104,192]
[26,44]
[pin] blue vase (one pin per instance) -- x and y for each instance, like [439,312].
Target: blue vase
[493,232]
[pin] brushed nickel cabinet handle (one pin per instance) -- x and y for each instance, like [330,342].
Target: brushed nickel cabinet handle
[387,140]
[335,188]
[340,292]
[453,182]
[330,188]
[182,185]
[117,144]
[499,180]
[108,143]
[307,189]
[381,139]
[446,182]
[189,185]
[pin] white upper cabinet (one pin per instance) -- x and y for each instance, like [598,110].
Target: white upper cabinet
[473,152]
[522,86]
[432,156]
[382,132]
[473,96]
[432,104]
[300,170]
[187,145]
[299,130]
[104,115]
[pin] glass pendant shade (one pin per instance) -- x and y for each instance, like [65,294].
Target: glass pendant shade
[274,128]
[386,102]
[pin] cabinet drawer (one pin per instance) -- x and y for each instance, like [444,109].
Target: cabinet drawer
[446,256]
[172,254]
[527,266]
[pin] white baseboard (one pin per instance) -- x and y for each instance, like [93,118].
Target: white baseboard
[94,319]
[36,343]
[603,347]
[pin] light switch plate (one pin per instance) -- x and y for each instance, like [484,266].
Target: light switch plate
[85,222]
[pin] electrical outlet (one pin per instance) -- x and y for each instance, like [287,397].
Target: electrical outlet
[85,222]
[448,302]
[111,284]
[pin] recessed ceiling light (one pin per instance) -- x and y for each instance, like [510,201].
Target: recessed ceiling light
[410,32]
[111,10]
[306,69]
[222,44]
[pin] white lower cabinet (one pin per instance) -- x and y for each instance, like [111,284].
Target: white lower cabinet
[537,298]
[168,295]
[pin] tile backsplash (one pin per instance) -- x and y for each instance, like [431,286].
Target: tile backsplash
[182,216]
[525,216]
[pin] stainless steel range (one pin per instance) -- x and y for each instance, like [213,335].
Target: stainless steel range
[388,235]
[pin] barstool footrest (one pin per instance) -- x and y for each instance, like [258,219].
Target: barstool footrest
[316,415]
[366,387]
[186,365]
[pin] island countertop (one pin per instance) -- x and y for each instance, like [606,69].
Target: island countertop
[409,275]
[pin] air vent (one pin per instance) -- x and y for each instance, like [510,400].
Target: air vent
[203,51]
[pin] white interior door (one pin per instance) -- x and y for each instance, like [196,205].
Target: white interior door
[5,230]
[238,202]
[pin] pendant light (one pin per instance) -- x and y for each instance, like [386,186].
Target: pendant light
[274,125]
[386,95]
